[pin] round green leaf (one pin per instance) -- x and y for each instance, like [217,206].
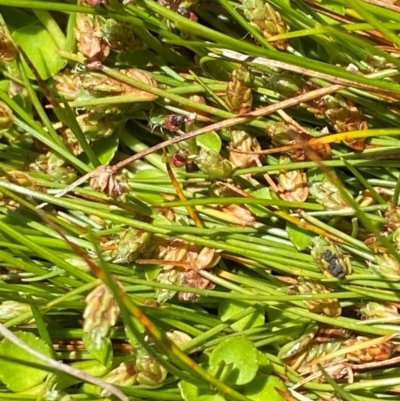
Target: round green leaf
[228,308]
[241,355]
[210,140]
[263,388]
[20,376]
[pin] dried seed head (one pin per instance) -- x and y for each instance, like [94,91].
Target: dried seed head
[278,133]
[6,116]
[266,19]
[328,195]
[392,217]
[287,85]
[293,185]
[90,38]
[330,307]
[95,126]
[21,178]
[105,181]
[84,85]
[342,115]
[197,99]
[100,84]
[150,372]
[127,246]
[68,84]
[244,142]
[8,51]
[374,353]
[239,98]
[100,314]
[178,337]
[176,250]
[123,375]
[169,277]
[187,259]
[206,259]
[120,36]
[241,214]
[12,309]
[387,265]
[213,164]
[375,310]
[282,134]
[194,280]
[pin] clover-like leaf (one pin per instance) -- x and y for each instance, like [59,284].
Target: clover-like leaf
[20,376]
[238,353]
[263,388]
[229,308]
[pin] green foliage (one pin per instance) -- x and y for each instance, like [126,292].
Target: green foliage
[237,358]
[21,373]
[228,281]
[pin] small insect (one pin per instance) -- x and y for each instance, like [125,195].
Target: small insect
[174,121]
[334,267]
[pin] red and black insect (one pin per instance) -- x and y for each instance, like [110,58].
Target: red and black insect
[175,121]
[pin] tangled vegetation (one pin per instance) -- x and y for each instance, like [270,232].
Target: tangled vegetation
[199,200]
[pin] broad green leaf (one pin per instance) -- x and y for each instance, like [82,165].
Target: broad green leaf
[241,355]
[210,140]
[102,351]
[300,237]
[37,43]
[228,308]
[263,388]
[106,148]
[20,376]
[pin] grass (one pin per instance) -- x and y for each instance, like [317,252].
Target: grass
[199,200]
